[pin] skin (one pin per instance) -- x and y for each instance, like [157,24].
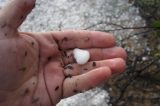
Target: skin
[38,69]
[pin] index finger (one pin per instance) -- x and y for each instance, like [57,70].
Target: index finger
[83,39]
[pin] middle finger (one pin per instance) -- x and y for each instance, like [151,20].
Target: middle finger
[97,54]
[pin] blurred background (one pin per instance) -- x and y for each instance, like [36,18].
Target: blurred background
[135,24]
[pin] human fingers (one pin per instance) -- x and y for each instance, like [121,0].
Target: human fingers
[116,65]
[85,81]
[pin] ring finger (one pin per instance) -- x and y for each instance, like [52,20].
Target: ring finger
[116,65]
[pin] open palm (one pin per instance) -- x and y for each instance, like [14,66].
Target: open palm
[39,68]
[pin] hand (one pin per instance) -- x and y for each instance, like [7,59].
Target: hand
[38,69]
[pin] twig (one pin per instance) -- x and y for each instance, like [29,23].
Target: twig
[131,35]
[103,22]
[147,66]
[128,28]
[130,80]
[121,27]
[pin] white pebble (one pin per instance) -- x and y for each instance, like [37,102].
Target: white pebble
[81,56]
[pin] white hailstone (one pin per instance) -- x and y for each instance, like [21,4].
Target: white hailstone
[144,58]
[81,56]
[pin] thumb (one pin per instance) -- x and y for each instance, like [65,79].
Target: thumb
[15,13]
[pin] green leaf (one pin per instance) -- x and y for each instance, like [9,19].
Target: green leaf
[156,24]
[157,54]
